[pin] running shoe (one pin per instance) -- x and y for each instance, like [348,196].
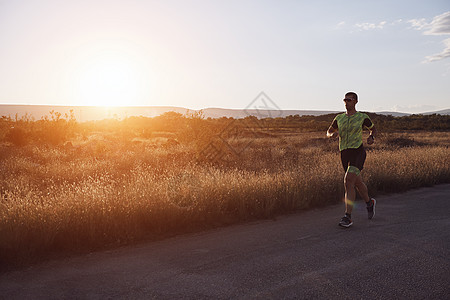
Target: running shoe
[345,222]
[371,209]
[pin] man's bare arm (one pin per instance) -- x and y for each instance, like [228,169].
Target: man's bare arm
[372,136]
[332,132]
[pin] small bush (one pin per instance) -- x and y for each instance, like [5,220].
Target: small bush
[402,142]
[17,136]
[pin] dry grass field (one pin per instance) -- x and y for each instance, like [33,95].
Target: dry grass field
[101,190]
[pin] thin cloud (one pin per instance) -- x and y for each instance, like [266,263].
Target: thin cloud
[444,54]
[396,22]
[340,24]
[370,26]
[418,108]
[440,25]
[418,24]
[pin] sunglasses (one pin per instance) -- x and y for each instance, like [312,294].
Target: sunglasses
[348,100]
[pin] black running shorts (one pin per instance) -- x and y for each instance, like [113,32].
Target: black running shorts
[353,159]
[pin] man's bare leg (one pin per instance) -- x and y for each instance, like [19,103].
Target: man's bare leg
[350,192]
[362,189]
[370,203]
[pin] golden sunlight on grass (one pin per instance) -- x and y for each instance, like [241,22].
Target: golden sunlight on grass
[113,183]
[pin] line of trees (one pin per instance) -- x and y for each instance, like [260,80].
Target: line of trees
[56,128]
[384,122]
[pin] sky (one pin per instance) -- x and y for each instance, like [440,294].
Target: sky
[199,54]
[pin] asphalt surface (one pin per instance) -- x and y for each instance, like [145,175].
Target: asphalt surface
[403,253]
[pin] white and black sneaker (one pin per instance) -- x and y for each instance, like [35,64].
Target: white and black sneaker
[345,222]
[371,208]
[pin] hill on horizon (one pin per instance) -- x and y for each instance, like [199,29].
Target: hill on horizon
[89,113]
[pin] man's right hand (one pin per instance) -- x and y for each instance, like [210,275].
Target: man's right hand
[332,135]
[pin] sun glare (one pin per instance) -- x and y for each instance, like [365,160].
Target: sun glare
[109,73]
[108,82]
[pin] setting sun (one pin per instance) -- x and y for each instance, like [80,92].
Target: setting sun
[112,72]
[108,82]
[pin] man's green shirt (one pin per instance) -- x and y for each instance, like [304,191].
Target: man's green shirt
[350,129]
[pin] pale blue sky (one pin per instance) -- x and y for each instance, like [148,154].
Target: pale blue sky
[199,54]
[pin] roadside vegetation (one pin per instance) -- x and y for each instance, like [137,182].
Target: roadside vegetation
[69,187]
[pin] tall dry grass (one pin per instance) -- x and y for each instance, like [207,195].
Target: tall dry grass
[104,193]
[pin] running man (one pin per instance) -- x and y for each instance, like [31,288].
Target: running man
[349,126]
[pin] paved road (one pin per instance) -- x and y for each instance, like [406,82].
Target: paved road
[402,253]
